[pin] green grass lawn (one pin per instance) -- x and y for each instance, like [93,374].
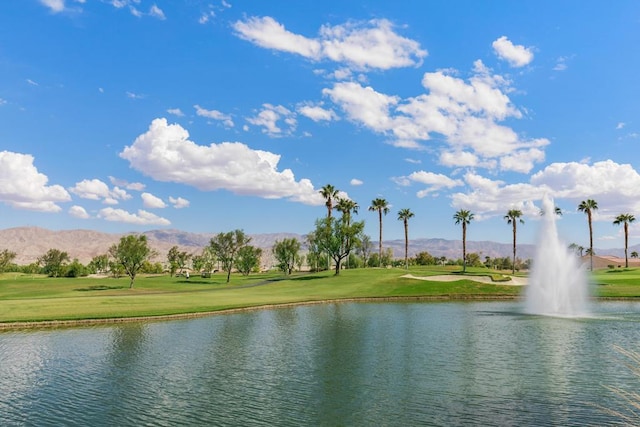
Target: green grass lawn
[27,298]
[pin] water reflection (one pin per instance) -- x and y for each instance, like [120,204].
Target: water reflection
[334,364]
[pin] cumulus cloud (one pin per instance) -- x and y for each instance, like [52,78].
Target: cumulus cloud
[78,212]
[215,115]
[176,112]
[179,202]
[166,154]
[269,117]
[54,5]
[360,45]
[433,181]
[356,182]
[151,201]
[467,113]
[317,113]
[616,188]
[515,55]
[142,217]
[95,189]
[23,187]
[134,186]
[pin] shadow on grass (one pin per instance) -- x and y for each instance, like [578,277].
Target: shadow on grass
[308,278]
[99,288]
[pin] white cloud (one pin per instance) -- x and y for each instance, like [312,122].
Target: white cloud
[616,188]
[54,5]
[166,154]
[515,55]
[317,113]
[151,201]
[156,12]
[269,117]
[78,212]
[466,113]
[132,95]
[23,187]
[134,186]
[2,101]
[356,182]
[176,112]
[433,181]
[620,125]
[142,217]
[32,83]
[95,189]
[360,45]
[179,202]
[215,115]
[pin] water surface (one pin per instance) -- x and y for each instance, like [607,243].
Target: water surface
[477,363]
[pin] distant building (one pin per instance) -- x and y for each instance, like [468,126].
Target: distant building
[604,261]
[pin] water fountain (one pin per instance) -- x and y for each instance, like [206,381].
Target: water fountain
[557,283]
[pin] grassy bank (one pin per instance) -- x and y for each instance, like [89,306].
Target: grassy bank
[26,298]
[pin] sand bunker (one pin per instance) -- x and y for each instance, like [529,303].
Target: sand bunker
[515,281]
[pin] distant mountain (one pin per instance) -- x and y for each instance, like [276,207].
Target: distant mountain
[29,243]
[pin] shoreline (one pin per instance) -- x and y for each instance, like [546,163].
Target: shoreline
[48,324]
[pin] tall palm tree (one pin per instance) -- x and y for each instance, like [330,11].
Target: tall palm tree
[625,219]
[589,206]
[513,216]
[463,217]
[347,207]
[330,193]
[382,207]
[404,215]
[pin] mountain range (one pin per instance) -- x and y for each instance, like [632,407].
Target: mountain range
[29,243]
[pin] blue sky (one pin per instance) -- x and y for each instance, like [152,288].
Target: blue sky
[206,116]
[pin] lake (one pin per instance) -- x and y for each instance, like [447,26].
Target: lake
[383,364]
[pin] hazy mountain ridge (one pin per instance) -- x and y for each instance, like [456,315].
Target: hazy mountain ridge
[29,243]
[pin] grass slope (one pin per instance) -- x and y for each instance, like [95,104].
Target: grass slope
[25,298]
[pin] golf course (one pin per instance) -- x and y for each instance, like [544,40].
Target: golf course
[38,301]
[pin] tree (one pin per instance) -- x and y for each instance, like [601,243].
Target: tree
[512,217]
[625,219]
[287,252]
[225,247]
[99,264]
[634,254]
[364,248]
[424,258]
[336,238]
[248,259]
[588,207]
[53,262]
[381,206]
[346,207]
[6,258]
[404,215]
[177,260]
[330,193]
[131,253]
[463,217]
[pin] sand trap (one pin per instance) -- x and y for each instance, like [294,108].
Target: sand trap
[515,281]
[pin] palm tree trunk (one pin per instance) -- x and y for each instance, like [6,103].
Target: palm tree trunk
[513,267]
[406,244]
[626,244]
[590,241]
[464,247]
[380,240]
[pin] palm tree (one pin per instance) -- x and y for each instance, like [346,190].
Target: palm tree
[634,254]
[330,193]
[382,206]
[347,207]
[513,217]
[463,217]
[404,215]
[625,219]
[589,206]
